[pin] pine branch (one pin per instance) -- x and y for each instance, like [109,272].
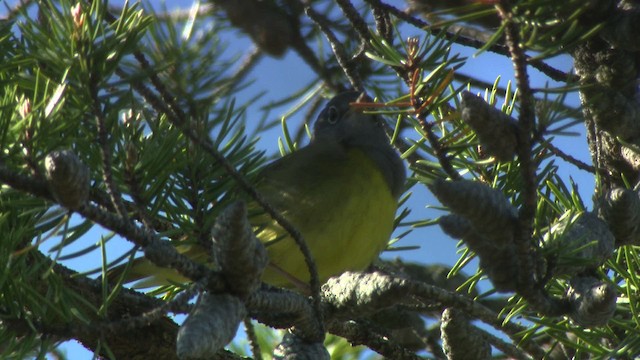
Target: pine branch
[338,50]
[544,68]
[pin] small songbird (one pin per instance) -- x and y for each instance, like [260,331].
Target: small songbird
[340,192]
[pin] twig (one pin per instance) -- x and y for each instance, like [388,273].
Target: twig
[338,49]
[163,254]
[526,124]
[157,224]
[364,334]
[384,26]
[146,93]
[176,116]
[476,310]
[354,17]
[248,63]
[25,183]
[440,151]
[527,255]
[505,347]
[179,304]
[103,141]
[159,252]
[544,68]
[168,99]
[253,339]
[28,152]
[360,26]
[308,55]
[366,293]
[433,342]
[133,182]
[568,158]
[280,308]
[158,85]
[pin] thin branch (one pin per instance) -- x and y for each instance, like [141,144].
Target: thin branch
[544,68]
[362,294]
[308,55]
[158,85]
[526,126]
[341,56]
[505,347]
[281,308]
[105,152]
[254,344]
[366,335]
[440,152]
[171,107]
[384,27]
[528,257]
[242,182]
[356,20]
[132,180]
[159,252]
[476,310]
[179,304]
[27,143]
[568,158]
[248,63]
[28,184]
[152,340]
[360,26]
[279,218]
[157,224]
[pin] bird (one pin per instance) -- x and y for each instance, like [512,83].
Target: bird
[340,191]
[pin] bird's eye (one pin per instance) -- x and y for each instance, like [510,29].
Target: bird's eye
[332,115]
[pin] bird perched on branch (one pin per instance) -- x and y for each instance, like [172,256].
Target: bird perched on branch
[340,192]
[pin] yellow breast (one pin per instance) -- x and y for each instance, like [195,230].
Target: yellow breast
[336,198]
[341,205]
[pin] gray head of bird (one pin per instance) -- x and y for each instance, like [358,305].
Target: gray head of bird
[339,122]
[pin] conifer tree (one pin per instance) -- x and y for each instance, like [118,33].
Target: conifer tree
[123,137]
